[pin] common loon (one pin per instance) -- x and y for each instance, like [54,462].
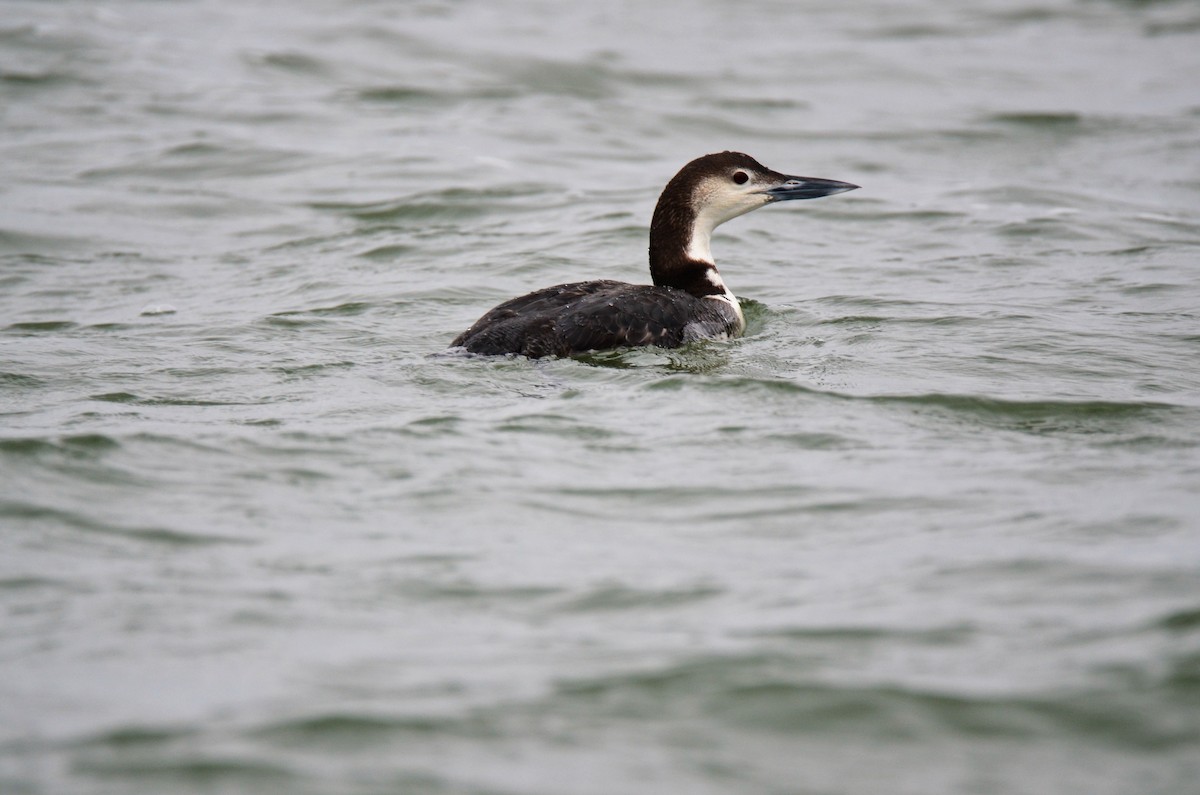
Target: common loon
[688,300]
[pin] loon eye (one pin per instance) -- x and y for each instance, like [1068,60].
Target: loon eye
[741,177]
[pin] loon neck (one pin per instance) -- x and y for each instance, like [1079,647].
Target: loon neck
[680,253]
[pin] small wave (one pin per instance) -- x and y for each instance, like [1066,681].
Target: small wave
[127,737]
[1045,409]
[1104,420]
[1175,27]
[387,253]
[89,444]
[591,79]
[616,597]
[467,591]
[349,308]
[1028,194]
[434,426]
[901,713]
[1038,120]
[311,370]
[756,104]
[1029,409]
[557,425]
[1056,228]
[41,327]
[49,78]
[710,505]
[935,320]
[1184,674]
[32,583]
[356,729]
[30,512]
[293,62]
[674,383]
[226,773]
[138,400]
[937,636]
[771,693]
[450,203]
[1182,621]
[203,160]
[1115,422]
[20,380]
[400,94]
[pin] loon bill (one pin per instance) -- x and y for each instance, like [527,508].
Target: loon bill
[688,300]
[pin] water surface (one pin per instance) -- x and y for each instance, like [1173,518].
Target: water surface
[931,526]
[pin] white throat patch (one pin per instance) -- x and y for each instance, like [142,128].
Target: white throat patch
[718,200]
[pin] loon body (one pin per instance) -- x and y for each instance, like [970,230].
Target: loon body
[688,300]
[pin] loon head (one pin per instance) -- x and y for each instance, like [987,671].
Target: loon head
[706,193]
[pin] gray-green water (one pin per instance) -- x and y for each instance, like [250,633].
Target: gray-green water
[932,526]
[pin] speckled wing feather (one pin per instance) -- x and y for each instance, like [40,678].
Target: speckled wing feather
[640,315]
[572,318]
[504,327]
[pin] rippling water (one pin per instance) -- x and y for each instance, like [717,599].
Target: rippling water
[932,526]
